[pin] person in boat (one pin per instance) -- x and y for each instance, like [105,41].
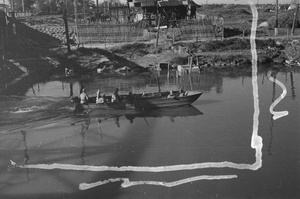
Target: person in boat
[171,95]
[181,93]
[100,98]
[115,98]
[84,98]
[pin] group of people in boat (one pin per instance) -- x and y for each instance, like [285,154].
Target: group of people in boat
[100,97]
[116,98]
[173,95]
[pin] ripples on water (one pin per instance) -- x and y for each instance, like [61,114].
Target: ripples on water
[25,110]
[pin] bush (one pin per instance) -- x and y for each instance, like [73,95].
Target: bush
[235,44]
[227,44]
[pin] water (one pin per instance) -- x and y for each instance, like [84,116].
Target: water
[212,139]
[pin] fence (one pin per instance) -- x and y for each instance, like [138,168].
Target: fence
[109,33]
[204,28]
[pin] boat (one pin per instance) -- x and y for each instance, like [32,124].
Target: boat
[141,101]
[160,100]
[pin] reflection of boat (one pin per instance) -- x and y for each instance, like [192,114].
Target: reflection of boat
[143,101]
[182,111]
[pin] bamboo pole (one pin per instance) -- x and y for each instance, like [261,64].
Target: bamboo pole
[67,30]
[2,38]
[157,34]
[23,6]
[295,18]
[97,3]
[76,18]
[276,19]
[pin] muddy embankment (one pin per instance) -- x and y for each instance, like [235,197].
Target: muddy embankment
[45,53]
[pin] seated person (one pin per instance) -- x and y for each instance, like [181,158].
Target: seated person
[84,98]
[100,99]
[181,93]
[116,97]
[171,95]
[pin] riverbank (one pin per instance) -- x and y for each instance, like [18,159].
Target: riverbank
[34,48]
[212,55]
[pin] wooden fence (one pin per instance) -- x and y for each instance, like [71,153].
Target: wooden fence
[109,33]
[204,28]
[197,29]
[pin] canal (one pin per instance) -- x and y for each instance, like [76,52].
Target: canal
[223,146]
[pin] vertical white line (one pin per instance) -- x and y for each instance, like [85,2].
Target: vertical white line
[256,141]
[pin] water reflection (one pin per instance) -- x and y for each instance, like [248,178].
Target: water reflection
[102,115]
[271,126]
[26,155]
[84,128]
[71,89]
[99,127]
[172,113]
[292,86]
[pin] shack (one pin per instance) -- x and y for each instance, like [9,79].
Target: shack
[169,10]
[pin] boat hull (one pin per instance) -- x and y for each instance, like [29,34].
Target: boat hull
[148,103]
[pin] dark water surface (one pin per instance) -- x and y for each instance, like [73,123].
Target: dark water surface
[208,144]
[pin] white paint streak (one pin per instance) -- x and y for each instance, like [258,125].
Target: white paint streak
[140,169]
[278,114]
[256,140]
[127,183]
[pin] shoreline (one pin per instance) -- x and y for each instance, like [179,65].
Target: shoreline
[143,57]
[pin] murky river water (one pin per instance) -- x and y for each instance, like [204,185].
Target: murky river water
[208,150]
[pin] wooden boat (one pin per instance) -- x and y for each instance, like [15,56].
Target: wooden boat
[142,101]
[161,100]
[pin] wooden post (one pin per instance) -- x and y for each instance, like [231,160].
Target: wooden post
[97,3]
[23,6]
[173,36]
[2,37]
[295,18]
[66,29]
[84,10]
[157,34]
[76,19]
[276,19]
